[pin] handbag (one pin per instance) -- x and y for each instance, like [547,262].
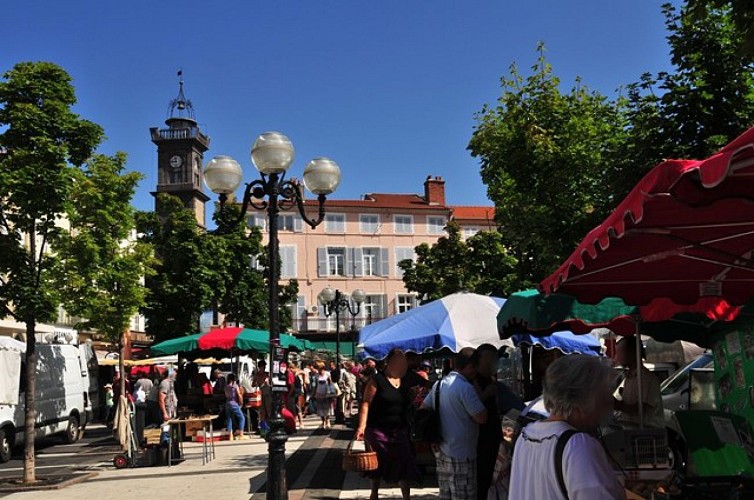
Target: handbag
[426,425]
[333,391]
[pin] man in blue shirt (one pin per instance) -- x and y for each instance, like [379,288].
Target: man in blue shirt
[461,412]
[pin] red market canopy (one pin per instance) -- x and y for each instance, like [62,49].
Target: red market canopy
[684,236]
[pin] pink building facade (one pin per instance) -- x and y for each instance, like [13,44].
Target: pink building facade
[359,245]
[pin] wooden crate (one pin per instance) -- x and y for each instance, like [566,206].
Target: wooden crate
[152,436]
[193,427]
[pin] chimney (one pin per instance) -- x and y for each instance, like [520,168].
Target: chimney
[434,191]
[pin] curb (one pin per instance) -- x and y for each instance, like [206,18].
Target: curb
[77,478]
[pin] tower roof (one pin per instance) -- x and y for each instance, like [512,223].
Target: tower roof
[180,107]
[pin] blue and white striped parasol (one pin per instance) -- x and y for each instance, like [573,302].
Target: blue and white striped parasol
[453,322]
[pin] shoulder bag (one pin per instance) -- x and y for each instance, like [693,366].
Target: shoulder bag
[426,425]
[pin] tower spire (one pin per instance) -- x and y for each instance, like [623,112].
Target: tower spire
[180,107]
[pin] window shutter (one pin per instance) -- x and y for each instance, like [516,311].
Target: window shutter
[298,224]
[347,262]
[358,262]
[385,260]
[289,261]
[382,312]
[301,305]
[322,262]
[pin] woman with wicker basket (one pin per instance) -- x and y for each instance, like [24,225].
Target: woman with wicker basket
[384,426]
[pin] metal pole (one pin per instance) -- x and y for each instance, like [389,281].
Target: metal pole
[339,417]
[277,487]
[639,366]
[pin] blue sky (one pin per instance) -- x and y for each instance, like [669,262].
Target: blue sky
[387,88]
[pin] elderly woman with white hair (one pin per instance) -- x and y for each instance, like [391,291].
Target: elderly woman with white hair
[557,458]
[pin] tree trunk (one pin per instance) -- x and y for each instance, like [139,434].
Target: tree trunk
[31,376]
[30,413]
[122,366]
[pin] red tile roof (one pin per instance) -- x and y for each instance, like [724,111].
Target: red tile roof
[385,200]
[474,213]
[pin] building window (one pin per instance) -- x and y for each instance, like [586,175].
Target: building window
[470,231]
[401,254]
[404,224]
[404,302]
[369,223]
[285,222]
[336,261]
[374,308]
[435,225]
[288,261]
[257,221]
[371,259]
[335,223]
[298,314]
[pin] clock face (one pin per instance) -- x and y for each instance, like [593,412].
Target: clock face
[176,161]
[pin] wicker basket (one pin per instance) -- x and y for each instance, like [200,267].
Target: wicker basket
[359,461]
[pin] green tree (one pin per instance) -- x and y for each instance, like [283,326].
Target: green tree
[741,13]
[694,110]
[543,153]
[183,279]
[198,270]
[42,143]
[103,264]
[480,264]
[243,267]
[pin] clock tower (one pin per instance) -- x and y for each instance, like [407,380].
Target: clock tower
[180,151]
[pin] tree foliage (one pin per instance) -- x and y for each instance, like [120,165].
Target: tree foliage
[183,279]
[694,110]
[198,270]
[41,145]
[555,163]
[480,264]
[543,154]
[243,295]
[103,264]
[741,13]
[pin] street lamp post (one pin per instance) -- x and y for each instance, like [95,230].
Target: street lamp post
[272,155]
[335,302]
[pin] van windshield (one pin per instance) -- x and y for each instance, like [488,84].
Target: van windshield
[680,379]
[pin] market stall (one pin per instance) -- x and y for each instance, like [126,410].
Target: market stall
[224,350]
[683,240]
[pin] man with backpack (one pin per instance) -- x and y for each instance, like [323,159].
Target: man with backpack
[460,413]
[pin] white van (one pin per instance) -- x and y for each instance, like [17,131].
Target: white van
[62,399]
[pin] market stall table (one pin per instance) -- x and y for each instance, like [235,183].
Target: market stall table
[208,441]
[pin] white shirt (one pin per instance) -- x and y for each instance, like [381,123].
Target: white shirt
[651,396]
[586,470]
[459,401]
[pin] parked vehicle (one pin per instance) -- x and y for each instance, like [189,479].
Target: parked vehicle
[63,404]
[676,388]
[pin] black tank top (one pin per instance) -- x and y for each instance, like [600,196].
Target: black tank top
[389,405]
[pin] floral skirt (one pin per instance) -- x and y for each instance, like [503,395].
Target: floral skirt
[395,457]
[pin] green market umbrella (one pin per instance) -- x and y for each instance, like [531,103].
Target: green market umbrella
[531,312]
[174,346]
[227,339]
[346,348]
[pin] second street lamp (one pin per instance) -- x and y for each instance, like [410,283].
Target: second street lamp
[272,154]
[335,302]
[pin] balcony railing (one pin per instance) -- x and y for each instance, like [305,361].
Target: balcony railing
[179,133]
[316,324]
